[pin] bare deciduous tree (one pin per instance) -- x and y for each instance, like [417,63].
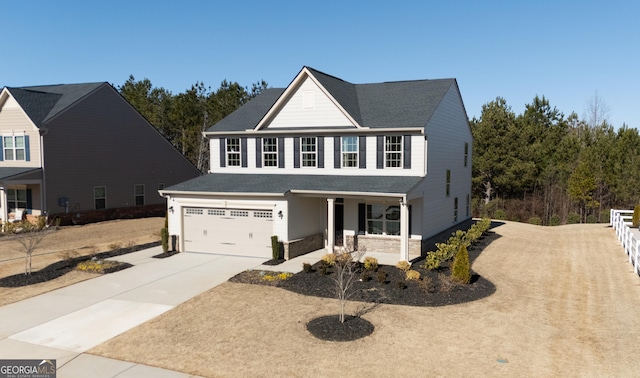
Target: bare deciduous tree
[345,274]
[597,111]
[29,236]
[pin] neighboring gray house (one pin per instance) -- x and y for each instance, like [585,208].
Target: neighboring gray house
[80,147]
[323,162]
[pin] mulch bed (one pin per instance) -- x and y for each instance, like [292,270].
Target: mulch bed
[63,267]
[386,285]
[164,255]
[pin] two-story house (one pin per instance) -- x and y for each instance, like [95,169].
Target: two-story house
[77,148]
[324,162]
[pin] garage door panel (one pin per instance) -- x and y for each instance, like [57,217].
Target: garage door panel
[235,232]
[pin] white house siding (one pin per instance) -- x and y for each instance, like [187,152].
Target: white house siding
[309,106]
[418,151]
[309,217]
[447,130]
[13,120]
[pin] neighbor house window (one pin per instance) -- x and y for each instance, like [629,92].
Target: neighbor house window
[233,152]
[393,151]
[100,197]
[383,219]
[308,151]
[466,153]
[448,182]
[138,193]
[455,209]
[16,199]
[270,152]
[350,151]
[13,147]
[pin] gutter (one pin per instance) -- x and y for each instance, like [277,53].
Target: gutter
[165,193]
[317,131]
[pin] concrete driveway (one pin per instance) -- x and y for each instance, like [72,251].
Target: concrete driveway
[64,323]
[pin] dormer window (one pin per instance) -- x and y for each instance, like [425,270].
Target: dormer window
[14,147]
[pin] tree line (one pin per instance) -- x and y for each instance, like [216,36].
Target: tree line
[182,118]
[544,168]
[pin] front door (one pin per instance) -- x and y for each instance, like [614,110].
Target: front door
[339,222]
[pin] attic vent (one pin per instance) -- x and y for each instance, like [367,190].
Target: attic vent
[307,99]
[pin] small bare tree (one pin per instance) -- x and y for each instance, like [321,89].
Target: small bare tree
[345,274]
[29,236]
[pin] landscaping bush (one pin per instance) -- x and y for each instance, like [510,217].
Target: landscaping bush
[329,259]
[381,276]
[536,221]
[275,247]
[306,267]
[500,214]
[164,237]
[635,220]
[413,275]
[403,265]
[554,220]
[370,263]
[461,268]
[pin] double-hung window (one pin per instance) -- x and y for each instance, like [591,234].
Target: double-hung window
[100,197]
[233,152]
[448,185]
[16,199]
[393,151]
[383,219]
[138,194]
[309,151]
[466,153]
[13,147]
[270,152]
[350,152]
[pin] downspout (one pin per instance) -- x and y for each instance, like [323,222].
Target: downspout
[43,195]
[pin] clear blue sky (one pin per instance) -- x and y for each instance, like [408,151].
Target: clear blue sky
[564,50]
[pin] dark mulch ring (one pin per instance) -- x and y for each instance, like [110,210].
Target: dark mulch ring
[329,328]
[63,267]
[387,284]
[164,255]
[274,262]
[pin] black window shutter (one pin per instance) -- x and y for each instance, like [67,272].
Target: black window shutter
[258,152]
[296,152]
[407,152]
[362,218]
[362,152]
[280,152]
[336,152]
[380,152]
[320,152]
[243,152]
[27,152]
[29,202]
[223,151]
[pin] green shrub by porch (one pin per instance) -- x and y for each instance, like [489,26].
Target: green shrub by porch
[164,237]
[275,247]
[461,268]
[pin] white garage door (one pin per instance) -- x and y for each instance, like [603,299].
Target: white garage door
[232,232]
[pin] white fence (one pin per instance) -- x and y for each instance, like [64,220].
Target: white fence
[628,236]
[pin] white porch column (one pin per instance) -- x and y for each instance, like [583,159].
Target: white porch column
[4,212]
[404,230]
[331,237]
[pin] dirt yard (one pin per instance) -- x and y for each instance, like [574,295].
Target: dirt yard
[70,240]
[566,304]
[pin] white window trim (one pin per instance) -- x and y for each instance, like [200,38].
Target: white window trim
[14,148]
[96,198]
[264,153]
[400,151]
[135,195]
[356,152]
[228,153]
[384,219]
[314,153]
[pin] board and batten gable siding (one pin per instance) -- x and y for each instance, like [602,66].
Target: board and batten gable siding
[418,150]
[447,130]
[13,120]
[102,141]
[309,106]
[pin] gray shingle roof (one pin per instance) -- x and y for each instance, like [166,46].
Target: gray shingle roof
[377,105]
[44,102]
[6,172]
[282,183]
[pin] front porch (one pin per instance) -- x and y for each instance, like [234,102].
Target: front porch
[20,194]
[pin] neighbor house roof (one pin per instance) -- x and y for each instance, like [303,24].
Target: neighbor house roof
[7,172]
[282,183]
[41,103]
[378,105]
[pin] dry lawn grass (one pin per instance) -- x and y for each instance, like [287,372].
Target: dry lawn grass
[80,240]
[566,305]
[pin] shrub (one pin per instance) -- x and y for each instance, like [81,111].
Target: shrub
[370,263]
[635,220]
[413,275]
[536,221]
[403,265]
[554,220]
[277,277]
[427,285]
[500,214]
[323,268]
[381,276]
[591,219]
[605,216]
[364,275]
[401,285]
[164,237]
[573,218]
[97,266]
[306,267]
[343,258]
[275,247]
[461,268]
[329,259]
